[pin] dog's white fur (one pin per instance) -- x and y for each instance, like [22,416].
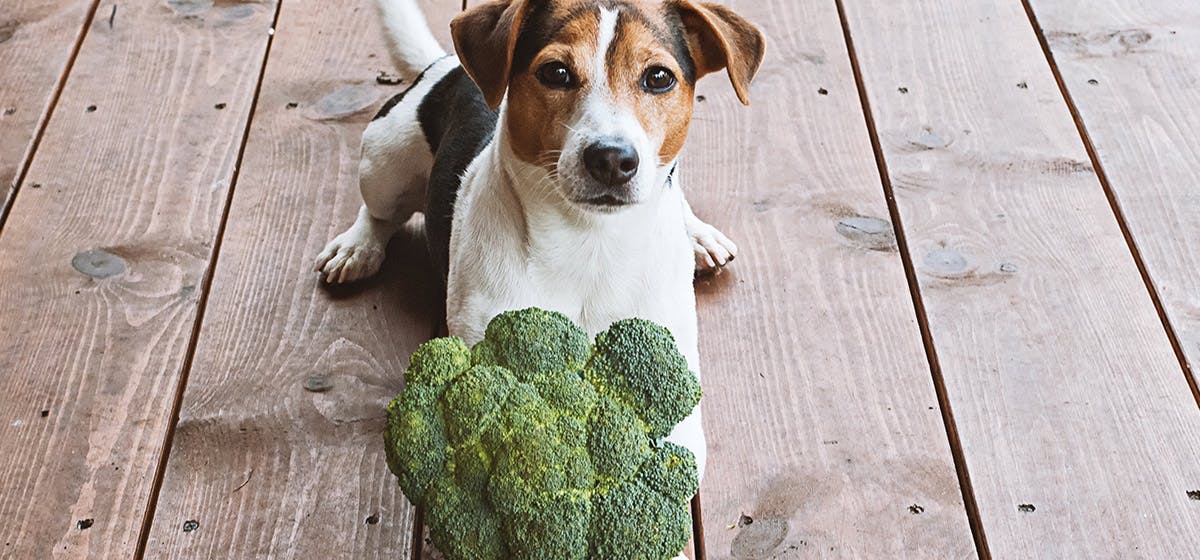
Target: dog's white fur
[516,240]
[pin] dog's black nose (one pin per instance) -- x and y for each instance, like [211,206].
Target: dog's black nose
[611,163]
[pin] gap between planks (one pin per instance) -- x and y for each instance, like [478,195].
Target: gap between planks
[205,288]
[44,121]
[1102,175]
[935,370]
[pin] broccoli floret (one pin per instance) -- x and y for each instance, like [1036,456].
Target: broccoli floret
[533,342]
[636,363]
[416,437]
[532,462]
[474,399]
[666,479]
[438,361]
[568,393]
[633,521]
[462,523]
[556,531]
[617,443]
[671,471]
[534,444]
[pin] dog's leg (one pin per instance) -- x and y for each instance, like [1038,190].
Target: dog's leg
[713,249]
[392,179]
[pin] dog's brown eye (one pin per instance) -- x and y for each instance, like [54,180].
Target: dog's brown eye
[657,79]
[556,75]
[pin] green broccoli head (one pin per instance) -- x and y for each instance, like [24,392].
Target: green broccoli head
[536,444]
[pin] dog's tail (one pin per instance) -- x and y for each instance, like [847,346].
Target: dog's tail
[412,45]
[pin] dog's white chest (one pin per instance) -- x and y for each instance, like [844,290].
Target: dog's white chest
[635,264]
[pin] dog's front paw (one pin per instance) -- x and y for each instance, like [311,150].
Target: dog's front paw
[351,256]
[713,249]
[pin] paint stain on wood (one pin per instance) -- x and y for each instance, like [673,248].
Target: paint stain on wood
[238,12]
[927,139]
[875,234]
[98,264]
[1100,44]
[8,29]
[817,57]
[343,102]
[317,383]
[761,535]
[945,263]
[759,538]
[190,7]
[1065,166]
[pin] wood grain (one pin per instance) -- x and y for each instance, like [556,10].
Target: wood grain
[37,38]
[825,434]
[1131,67]
[1078,428]
[100,268]
[266,468]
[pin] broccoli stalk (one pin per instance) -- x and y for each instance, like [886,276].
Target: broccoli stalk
[535,444]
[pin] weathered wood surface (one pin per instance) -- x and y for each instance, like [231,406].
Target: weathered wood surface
[37,39]
[101,267]
[1131,67]
[265,467]
[1078,428]
[825,433]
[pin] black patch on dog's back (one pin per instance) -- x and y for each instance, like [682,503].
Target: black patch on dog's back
[396,99]
[457,123]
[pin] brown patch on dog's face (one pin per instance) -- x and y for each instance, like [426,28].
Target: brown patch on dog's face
[538,115]
[641,53]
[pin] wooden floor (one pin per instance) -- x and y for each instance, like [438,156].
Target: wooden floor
[965,322]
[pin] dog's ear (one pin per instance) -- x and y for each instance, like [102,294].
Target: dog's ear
[720,39]
[485,37]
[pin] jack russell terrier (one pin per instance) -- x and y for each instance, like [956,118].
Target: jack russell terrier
[543,156]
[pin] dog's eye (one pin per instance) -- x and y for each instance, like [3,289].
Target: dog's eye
[555,75]
[657,79]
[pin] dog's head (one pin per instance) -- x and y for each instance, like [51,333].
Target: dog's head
[600,92]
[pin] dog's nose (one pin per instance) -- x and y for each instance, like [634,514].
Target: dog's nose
[612,163]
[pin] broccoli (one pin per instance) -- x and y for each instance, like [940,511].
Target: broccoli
[537,444]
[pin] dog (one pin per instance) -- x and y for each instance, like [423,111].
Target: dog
[544,158]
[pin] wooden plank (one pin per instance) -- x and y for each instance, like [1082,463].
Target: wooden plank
[1078,428]
[101,265]
[266,468]
[822,417]
[1131,68]
[37,39]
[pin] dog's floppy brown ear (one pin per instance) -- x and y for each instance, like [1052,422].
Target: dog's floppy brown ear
[720,39]
[485,37]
